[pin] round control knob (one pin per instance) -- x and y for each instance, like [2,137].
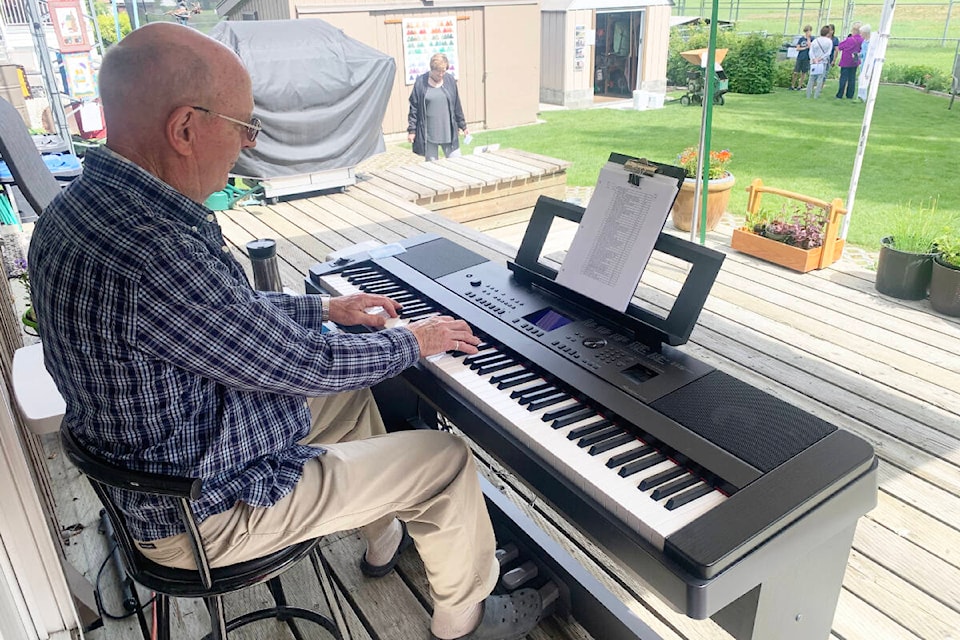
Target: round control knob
[594,343]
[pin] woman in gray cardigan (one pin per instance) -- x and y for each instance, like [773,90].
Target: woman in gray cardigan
[435,112]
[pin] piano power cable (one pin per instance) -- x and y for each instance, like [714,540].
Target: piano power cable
[126,584]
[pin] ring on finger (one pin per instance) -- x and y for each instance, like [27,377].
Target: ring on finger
[456,347]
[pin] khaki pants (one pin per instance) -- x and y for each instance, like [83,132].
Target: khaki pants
[426,478]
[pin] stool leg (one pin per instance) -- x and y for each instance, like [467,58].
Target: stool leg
[322,570]
[280,598]
[162,606]
[218,620]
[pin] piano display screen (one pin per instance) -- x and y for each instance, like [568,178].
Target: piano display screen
[548,319]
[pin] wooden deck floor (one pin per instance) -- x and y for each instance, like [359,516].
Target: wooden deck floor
[886,370]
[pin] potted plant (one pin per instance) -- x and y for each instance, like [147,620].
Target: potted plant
[906,255]
[945,278]
[802,235]
[718,187]
[29,318]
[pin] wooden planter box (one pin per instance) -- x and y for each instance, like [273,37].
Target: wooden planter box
[801,260]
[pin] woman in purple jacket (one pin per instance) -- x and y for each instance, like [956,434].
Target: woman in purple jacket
[849,61]
[435,112]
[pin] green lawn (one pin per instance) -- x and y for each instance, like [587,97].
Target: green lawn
[801,145]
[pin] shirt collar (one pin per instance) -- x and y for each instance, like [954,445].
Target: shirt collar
[104,165]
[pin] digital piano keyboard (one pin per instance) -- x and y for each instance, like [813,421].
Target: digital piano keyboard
[727,501]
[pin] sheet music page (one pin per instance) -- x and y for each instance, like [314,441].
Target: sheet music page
[616,236]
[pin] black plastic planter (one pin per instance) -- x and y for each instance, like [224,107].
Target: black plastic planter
[945,289]
[902,274]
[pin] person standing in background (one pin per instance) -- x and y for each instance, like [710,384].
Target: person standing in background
[435,112]
[849,61]
[821,52]
[802,67]
[866,63]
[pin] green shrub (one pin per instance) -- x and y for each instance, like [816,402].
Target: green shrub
[108,28]
[750,66]
[920,75]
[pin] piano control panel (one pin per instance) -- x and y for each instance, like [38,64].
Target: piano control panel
[600,348]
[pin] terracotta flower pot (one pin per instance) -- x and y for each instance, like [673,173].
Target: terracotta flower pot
[718,196]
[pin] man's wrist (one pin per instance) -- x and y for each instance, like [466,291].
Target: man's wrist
[324,308]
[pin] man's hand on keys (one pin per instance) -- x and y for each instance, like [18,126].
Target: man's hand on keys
[443,333]
[363,308]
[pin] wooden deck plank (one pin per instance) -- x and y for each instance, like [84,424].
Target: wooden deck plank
[469,166]
[404,181]
[435,171]
[414,176]
[474,173]
[392,187]
[534,169]
[489,166]
[468,181]
[549,165]
[562,164]
[519,173]
[430,172]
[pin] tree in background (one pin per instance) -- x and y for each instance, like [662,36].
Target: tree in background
[108,28]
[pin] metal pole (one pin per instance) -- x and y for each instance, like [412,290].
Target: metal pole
[878,55]
[46,71]
[786,18]
[946,26]
[700,194]
[96,27]
[116,19]
[135,16]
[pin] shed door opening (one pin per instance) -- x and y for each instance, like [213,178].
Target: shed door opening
[618,50]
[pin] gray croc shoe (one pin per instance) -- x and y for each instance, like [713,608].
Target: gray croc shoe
[509,617]
[375,571]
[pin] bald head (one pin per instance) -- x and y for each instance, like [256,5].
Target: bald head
[171,98]
[158,68]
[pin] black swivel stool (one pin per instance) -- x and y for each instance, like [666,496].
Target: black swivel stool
[204,582]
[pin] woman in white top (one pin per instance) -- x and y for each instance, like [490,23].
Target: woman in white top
[820,50]
[866,63]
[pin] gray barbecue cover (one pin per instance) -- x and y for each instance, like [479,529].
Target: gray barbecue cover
[320,95]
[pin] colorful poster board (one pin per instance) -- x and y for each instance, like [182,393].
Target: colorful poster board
[423,37]
[579,47]
[69,25]
[79,74]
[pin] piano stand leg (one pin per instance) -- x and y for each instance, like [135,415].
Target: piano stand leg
[798,603]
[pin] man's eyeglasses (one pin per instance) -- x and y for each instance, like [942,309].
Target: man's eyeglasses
[253,127]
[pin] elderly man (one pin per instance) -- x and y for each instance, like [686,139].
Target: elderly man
[170,362]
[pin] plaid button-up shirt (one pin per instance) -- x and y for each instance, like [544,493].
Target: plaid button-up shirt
[168,360]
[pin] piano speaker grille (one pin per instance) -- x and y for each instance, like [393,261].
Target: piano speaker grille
[743,420]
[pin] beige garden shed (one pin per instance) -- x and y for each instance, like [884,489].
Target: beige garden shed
[493,45]
[592,50]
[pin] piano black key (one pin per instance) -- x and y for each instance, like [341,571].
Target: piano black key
[587,429]
[368,279]
[360,268]
[530,395]
[409,312]
[582,414]
[549,401]
[496,366]
[486,353]
[598,436]
[383,289]
[688,496]
[503,377]
[539,387]
[514,381]
[658,479]
[674,487]
[490,358]
[559,413]
[611,443]
[404,298]
[627,456]
[639,465]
